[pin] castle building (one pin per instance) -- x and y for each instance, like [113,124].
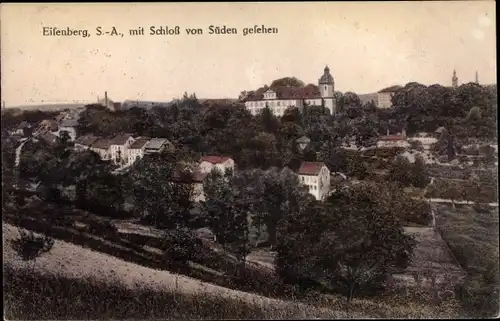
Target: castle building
[279,98]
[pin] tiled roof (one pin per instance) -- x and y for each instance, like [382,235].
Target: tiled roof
[390,89]
[48,137]
[391,138]
[86,140]
[214,159]
[50,124]
[69,123]
[101,143]
[303,139]
[24,124]
[139,143]
[282,92]
[120,139]
[156,143]
[310,168]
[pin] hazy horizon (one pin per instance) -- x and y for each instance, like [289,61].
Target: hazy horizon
[367,45]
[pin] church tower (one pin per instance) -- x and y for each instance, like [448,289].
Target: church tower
[454,79]
[326,86]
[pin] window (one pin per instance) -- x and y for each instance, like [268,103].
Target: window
[325,88]
[279,103]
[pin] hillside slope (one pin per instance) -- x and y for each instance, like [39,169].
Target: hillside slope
[68,260]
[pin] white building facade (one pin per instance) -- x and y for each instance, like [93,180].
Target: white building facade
[208,163]
[136,150]
[119,148]
[316,176]
[384,97]
[278,99]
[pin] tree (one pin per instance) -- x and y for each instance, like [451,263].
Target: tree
[400,171]
[164,191]
[226,211]
[354,243]
[419,176]
[287,82]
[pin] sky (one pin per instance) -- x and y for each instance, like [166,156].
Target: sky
[367,46]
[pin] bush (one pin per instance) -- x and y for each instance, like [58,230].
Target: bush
[481,208]
[102,228]
[30,246]
[181,245]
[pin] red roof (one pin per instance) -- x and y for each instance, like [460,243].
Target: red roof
[283,92]
[214,159]
[391,138]
[139,142]
[310,168]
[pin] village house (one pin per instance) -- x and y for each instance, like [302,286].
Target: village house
[279,98]
[102,147]
[50,125]
[136,150]
[69,126]
[316,176]
[222,163]
[390,141]
[48,137]
[196,178]
[157,145]
[24,129]
[85,142]
[384,97]
[118,148]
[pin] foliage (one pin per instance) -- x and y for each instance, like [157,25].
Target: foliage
[102,228]
[181,245]
[287,82]
[30,246]
[164,190]
[352,243]
[407,173]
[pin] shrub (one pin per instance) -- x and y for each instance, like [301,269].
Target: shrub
[181,245]
[103,228]
[30,246]
[481,207]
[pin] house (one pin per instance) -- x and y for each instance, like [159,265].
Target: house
[157,145]
[51,125]
[69,126]
[390,141]
[137,149]
[23,129]
[303,141]
[102,147]
[196,178]
[85,142]
[279,98]
[384,96]
[48,137]
[316,176]
[119,148]
[222,163]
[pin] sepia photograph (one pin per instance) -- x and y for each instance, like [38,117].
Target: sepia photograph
[249,160]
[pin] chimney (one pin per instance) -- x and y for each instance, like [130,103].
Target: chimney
[106,99]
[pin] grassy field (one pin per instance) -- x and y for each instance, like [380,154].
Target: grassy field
[462,190]
[473,238]
[73,282]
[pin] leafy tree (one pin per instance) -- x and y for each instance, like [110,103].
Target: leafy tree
[400,171]
[164,192]
[287,82]
[354,243]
